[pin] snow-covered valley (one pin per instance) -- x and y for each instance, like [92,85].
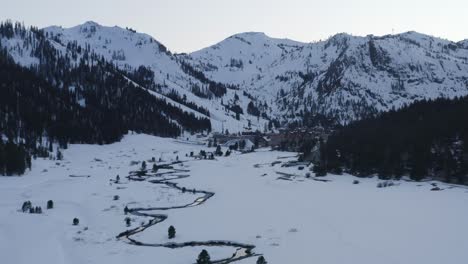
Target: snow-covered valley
[289,219]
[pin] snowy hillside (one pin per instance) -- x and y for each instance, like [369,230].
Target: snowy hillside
[345,77]
[249,79]
[129,50]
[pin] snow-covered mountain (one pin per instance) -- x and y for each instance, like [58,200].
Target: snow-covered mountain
[249,79]
[344,77]
[129,49]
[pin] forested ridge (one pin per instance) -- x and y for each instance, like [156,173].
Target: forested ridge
[72,96]
[428,139]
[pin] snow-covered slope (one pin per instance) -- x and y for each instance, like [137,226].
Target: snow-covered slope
[239,57]
[345,77]
[124,47]
[463,44]
[129,49]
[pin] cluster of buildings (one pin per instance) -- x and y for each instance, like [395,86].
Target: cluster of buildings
[291,139]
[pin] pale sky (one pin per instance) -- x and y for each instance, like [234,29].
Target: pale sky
[189,25]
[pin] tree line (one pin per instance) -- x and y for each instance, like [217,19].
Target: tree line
[73,96]
[428,139]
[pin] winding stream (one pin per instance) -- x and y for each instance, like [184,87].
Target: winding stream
[242,251]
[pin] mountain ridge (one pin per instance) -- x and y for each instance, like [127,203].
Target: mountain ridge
[250,81]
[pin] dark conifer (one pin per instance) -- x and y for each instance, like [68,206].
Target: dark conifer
[171,232]
[50,204]
[261,260]
[203,257]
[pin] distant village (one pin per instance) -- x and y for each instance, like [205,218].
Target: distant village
[285,140]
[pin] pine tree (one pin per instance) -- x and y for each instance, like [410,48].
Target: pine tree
[319,170]
[204,257]
[59,154]
[171,232]
[26,206]
[50,204]
[261,260]
[218,151]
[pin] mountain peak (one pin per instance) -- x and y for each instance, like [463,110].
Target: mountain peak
[249,34]
[249,37]
[90,23]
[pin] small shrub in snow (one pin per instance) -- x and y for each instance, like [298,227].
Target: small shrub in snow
[171,232]
[35,210]
[319,170]
[116,197]
[141,173]
[203,154]
[50,204]
[261,260]
[26,206]
[307,174]
[128,221]
[385,184]
[355,182]
[59,155]
[218,151]
[76,221]
[125,210]
[204,257]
